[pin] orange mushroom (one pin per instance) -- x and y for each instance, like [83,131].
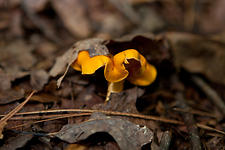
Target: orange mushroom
[128,64]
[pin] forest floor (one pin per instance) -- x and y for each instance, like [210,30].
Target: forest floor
[46,104]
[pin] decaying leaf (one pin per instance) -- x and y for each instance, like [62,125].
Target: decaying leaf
[154,48]
[16,142]
[8,96]
[126,102]
[94,46]
[73,15]
[216,11]
[16,56]
[38,79]
[36,5]
[199,55]
[87,98]
[126,134]
[5,81]
[128,99]
[16,59]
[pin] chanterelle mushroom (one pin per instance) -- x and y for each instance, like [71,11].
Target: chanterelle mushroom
[128,64]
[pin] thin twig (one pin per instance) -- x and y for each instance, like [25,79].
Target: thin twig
[195,112]
[189,122]
[36,117]
[202,126]
[3,121]
[188,118]
[147,117]
[55,118]
[111,113]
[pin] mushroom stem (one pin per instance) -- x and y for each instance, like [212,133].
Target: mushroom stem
[114,87]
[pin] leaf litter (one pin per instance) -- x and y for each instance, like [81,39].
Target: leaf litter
[125,133]
[27,62]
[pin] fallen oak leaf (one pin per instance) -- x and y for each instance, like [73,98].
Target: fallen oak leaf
[126,134]
[78,24]
[11,95]
[38,78]
[16,142]
[193,52]
[5,81]
[15,60]
[95,46]
[127,97]
[153,47]
[3,121]
[16,56]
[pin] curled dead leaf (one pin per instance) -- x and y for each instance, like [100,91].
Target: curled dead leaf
[38,79]
[95,46]
[126,134]
[73,15]
[198,55]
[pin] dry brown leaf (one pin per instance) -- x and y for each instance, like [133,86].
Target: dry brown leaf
[95,46]
[16,142]
[87,98]
[16,56]
[44,98]
[113,25]
[38,79]
[11,95]
[154,48]
[73,15]
[126,134]
[36,5]
[198,55]
[5,81]
[128,99]
[215,10]
[8,95]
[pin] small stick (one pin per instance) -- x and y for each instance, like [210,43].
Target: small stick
[3,121]
[54,118]
[196,112]
[114,113]
[36,117]
[188,118]
[189,122]
[110,113]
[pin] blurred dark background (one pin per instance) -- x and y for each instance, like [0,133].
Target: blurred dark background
[65,21]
